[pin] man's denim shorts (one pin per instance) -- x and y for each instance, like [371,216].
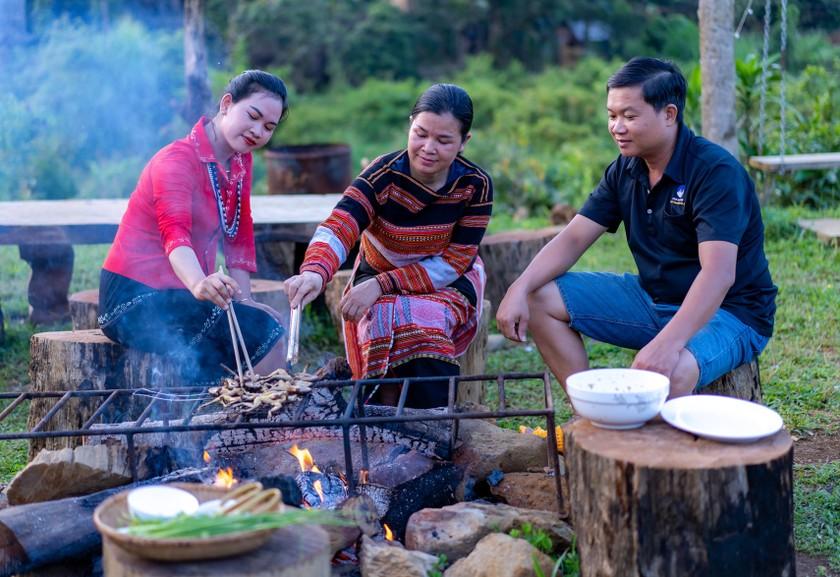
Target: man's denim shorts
[615,309]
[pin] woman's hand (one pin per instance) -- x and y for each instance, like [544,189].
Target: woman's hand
[218,288]
[358,300]
[303,288]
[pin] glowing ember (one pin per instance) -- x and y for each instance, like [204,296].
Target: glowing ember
[389,535]
[318,489]
[363,477]
[225,478]
[206,457]
[304,457]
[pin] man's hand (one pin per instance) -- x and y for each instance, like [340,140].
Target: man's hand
[657,357]
[358,300]
[218,288]
[513,314]
[302,289]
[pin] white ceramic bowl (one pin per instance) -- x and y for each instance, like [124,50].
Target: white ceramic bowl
[617,398]
[160,502]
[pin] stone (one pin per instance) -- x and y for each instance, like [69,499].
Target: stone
[528,491]
[499,555]
[389,558]
[455,530]
[484,447]
[70,472]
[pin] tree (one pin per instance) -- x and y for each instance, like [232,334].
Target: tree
[195,62]
[717,66]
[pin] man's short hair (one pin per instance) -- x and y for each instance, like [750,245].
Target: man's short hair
[661,81]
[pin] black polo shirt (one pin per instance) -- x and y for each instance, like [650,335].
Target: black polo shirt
[705,194]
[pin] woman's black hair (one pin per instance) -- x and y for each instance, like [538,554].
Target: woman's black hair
[661,81]
[253,81]
[443,98]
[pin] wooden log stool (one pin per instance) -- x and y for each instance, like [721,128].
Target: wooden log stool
[506,254]
[473,360]
[301,551]
[86,360]
[741,382]
[84,305]
[659,501]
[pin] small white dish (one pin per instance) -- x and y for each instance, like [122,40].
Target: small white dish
[157,502]
[722,418]
[617,398]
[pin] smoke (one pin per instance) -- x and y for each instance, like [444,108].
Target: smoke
[82,109]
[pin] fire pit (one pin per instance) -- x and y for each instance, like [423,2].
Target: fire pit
[397,457]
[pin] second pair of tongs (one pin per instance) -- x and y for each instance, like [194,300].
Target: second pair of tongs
[294,338]
[238,341]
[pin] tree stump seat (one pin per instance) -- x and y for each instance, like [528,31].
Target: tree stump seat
[473,360]
[659,501]
[742,382]
[84,305]
[86,360]
[506,254]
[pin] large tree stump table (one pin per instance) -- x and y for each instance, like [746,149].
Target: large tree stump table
[656,501]
[84,305]
[291,552]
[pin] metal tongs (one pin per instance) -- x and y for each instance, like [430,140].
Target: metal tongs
[238,341]
[294,338]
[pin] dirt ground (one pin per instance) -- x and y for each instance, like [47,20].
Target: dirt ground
[816,450]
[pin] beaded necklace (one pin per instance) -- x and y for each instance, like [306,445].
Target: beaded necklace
[230,231]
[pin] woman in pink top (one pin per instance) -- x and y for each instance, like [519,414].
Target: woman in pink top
[160,288]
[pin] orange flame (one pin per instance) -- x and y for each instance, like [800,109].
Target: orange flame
[389,535]
[304,457]
[318,489]
[225,478]
[206,457]
[363,477]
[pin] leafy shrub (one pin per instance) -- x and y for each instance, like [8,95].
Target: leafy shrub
[83,96]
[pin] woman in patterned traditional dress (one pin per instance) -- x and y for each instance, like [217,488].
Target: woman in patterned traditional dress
[160,290]
[414,302]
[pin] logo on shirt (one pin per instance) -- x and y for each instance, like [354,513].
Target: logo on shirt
[678,198]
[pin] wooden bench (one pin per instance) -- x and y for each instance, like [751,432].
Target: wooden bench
[827,229]
[84,305]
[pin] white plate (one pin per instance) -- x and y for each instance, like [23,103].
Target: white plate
[721,418]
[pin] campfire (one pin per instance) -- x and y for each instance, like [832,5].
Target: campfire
[382,464]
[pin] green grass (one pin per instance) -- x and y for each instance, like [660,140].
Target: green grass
[817,510]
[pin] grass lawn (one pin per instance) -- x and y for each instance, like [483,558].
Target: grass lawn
[800,368]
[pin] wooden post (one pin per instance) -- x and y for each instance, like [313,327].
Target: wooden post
[658,501]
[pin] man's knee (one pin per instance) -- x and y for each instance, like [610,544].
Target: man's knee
[685,375]
[547,300]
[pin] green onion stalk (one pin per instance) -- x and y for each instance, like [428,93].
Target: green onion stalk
[203,526]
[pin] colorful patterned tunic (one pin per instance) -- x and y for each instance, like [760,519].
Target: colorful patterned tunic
[417,243]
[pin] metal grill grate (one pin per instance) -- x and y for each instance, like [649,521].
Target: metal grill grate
[178,406]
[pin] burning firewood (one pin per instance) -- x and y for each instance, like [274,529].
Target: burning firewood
[259,394]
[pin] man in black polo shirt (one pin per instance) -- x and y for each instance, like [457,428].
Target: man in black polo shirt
[703,301]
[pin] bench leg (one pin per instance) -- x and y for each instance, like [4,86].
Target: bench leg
[52,269]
